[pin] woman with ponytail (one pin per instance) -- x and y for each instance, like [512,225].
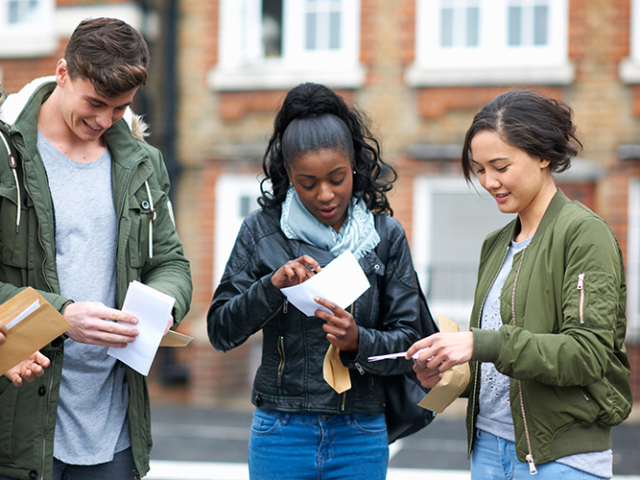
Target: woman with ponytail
[324,183]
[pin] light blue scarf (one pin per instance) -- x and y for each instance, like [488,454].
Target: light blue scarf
[358,232]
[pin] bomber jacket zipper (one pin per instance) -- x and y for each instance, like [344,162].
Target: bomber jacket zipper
[529,456]
[581,288]
[477,375]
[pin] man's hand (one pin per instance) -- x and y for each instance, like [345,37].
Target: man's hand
[29,369]
[3,333]
[94,323]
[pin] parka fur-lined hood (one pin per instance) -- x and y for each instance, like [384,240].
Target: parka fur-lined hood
[12,105]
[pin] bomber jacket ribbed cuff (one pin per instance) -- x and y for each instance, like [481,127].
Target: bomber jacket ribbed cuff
[487,345]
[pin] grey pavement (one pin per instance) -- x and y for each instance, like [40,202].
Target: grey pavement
[183,433]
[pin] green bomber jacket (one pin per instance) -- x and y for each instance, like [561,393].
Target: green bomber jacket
[562,340]
[28,258]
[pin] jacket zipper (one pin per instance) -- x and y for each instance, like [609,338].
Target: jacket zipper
[35,207]
[282,360]
[271,317]
[46,421]
[529,456]
[581,288]
[477,375]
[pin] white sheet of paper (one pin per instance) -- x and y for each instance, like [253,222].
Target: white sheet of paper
[27,311]
[342,282]
[152,309]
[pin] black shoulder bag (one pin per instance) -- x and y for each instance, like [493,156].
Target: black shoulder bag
[403,392]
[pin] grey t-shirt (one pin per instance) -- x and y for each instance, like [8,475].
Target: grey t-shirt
[494,415]
[92,413]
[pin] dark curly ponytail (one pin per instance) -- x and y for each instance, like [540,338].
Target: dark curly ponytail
[314,117]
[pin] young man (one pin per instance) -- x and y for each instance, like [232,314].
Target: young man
[84,211]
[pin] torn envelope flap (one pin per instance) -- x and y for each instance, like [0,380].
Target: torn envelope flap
[34,324]
[25,313]
[175,339]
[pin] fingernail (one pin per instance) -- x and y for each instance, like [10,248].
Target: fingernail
[316,299]
[134,333]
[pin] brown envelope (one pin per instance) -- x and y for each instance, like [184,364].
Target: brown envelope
[175,339]
[31,334]
[453,382]
[334,372]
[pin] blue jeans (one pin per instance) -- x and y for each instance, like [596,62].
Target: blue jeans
[306,446]
[494,458]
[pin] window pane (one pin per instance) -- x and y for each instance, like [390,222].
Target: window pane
[312,21]
[540,24]
[272,27]
[334,30]
[473,30]
[14,11]
[515,26]
[446,38]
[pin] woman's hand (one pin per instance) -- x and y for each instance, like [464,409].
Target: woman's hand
[29,369]
[3,333]
[295,272]
[441,351]
[429,377]
[341,328]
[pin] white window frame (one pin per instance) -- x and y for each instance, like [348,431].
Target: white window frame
[241,65]
[229,189]
[29,39]
[424,190]
[492,62]
[633,261]
[629,68]
[41,39]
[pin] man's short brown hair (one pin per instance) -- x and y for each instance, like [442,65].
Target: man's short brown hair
[110,53]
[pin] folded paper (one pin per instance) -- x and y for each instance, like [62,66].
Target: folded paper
[152,308]
[453,381]
[32,323]
[341,282]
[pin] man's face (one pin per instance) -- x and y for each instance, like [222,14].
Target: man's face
[87,114]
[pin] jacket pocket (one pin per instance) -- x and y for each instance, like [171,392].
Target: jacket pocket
[13,240]
[141,217]
[595,299]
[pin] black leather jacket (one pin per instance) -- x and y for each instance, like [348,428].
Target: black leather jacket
[294,345]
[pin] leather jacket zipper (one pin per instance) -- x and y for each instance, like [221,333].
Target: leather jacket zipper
[581,288]
[282,360]
[529,457]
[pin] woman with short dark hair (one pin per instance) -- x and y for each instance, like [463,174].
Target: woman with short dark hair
[548,361]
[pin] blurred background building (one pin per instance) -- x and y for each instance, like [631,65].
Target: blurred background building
[420,69]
